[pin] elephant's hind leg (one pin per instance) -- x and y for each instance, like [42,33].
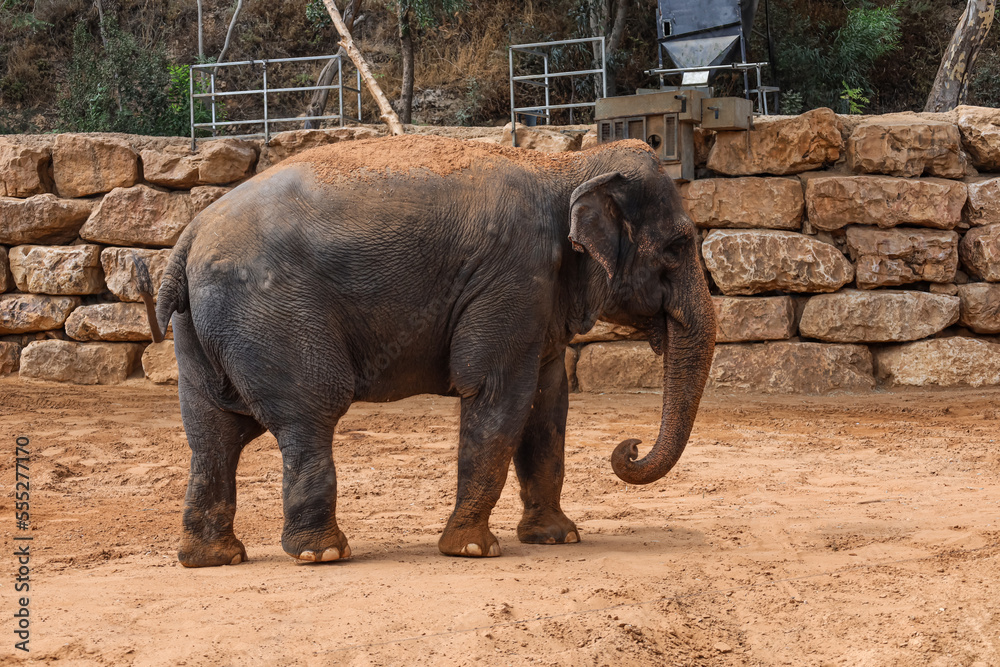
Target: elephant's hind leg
[539,461]
[310,492]
[217,438]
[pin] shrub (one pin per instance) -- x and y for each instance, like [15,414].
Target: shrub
[122,87]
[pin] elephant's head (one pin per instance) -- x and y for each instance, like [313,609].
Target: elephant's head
[631,223]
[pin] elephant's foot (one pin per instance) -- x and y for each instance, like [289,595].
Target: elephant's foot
[329,546]
[547,527]
[196,552]
[473,542]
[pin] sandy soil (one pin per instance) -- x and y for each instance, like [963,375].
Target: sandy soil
[795,531]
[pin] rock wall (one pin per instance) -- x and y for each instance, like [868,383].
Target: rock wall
[844,253]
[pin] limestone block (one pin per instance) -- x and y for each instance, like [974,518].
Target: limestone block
[119,270]
[6,279]
[907,148]
[703,142]
[774,203]
[42,219]
[603,332]
[940,362]
[744,319]
[23,169]
[24,313]
[542,139]
[10,357]
[983,205]
[836,201]
[979,251]
[980,307]
[110,322]
[858,316]
[950,289]
[589,140]
[746,262]
[980,127]
[779,146]
[286,144]
[159,362]
[85,165]
[216,162]
[623,366]
[792,368]
[885,257]
[42,269]
[139,215]
[204,196]
[79,363]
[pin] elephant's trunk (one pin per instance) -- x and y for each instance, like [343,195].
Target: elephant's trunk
[687,359]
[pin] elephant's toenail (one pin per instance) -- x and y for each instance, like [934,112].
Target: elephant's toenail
[550,540]
[332,553]
[237,559]
[572,537]
[347,553]
[307,555]
[494,549]
[472,550]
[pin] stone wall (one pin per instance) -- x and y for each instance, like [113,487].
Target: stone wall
[844,253]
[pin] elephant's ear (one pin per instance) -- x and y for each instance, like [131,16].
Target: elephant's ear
[596,222]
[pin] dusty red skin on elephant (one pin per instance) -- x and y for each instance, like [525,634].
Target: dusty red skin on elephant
[425,155]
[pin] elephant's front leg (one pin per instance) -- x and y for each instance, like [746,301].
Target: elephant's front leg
[491,426]
[539,461]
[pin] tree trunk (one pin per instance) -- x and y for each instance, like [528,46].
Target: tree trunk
[951,84]
[601,24]
[406,47]
[347,43]
[317,104]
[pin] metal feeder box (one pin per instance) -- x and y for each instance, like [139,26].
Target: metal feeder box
[726,113]
[666,119]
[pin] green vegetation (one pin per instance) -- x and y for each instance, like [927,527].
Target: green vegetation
[822,61]
[121,87]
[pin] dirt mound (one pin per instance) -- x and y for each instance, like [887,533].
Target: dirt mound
[419,155]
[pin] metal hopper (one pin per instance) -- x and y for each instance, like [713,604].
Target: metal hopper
[703,34]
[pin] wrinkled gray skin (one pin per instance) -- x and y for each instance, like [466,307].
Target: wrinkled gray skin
[292,297]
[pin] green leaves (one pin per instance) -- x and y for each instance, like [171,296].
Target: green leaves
[123,87]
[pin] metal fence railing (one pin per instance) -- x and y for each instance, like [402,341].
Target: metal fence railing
[544,80]
[209,71]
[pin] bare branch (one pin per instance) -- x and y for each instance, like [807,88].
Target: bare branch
[229,33]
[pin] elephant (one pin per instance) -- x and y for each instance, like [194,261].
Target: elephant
[380,269]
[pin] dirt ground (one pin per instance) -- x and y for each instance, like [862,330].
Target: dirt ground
[795,531]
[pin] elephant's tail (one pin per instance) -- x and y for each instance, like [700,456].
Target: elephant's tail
[173,295]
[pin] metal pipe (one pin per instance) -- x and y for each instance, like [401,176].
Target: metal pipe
[583,40]
[258,62]
[267,132]
[548,113]
[513,116]
[340,90]
[270,121]
[710,68]
[194,143]
[270,90]
[357,72]
[528,77]
[604,67]
[212,78]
